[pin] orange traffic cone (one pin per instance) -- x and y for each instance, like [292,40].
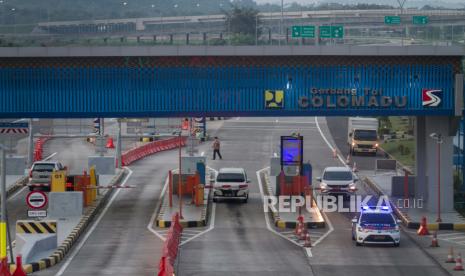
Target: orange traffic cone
[423,230]
[354,168]
[458,263]
[334,153]
[450,256]
[299,226]
[308,241]
[110,144]
[434,241]
[303,234]
[19,267]
[348,159]
[4,268]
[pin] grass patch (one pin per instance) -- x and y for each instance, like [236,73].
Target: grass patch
[402,150]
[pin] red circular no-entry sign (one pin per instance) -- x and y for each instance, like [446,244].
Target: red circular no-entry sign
[36,200]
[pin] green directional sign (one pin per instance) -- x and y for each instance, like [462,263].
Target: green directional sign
[392,20]
[325,31]
[331,31]
[337,31]
[308,31]
[420,20]
[296,31]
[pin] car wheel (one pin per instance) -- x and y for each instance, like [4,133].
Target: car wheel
[358,244]
[353,237]
[215,200]
[246,199]
[397,244]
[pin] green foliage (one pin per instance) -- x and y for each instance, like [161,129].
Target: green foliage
[242,22]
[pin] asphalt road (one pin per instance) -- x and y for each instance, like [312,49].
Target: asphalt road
[240,243]
[338,130]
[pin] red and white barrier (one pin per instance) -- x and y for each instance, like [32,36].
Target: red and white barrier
[39,148]
[170,248]
[151,148]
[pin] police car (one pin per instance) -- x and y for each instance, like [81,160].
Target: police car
[376,225]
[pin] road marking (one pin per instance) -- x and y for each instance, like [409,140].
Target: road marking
[309,252]
[189,232]
[50,156]
[328,143]
[267,219]
[17,193]
[91,230]
[154,215]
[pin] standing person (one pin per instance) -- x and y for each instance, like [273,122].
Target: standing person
[216,148]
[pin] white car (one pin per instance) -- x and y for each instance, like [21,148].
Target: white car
[376,225]
[41,173]
[231,183]
[338,180]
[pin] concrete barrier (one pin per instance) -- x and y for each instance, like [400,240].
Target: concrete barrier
[103,164]
[29,245]
[16,165]
[65,204]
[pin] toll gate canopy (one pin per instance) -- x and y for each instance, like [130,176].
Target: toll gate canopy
[227,86]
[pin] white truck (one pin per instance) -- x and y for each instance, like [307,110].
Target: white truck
[362,135]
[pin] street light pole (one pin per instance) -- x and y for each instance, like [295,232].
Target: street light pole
[3,205]
[282,22]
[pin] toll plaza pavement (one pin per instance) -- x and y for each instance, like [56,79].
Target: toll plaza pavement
[240,243]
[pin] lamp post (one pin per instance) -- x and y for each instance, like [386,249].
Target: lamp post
[438,138]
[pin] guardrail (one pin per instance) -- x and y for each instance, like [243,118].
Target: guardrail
[399,166]
[39,148]
[170,248]
[133,155]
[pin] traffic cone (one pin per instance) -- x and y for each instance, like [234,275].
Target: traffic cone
[110,144]
[334,153]
[299,225]
[450,256]
[423,230]
[348,159]
[4,268]
[303,234]
[19,267]
[354,168]
[434,241]
[308,241]
[458,263]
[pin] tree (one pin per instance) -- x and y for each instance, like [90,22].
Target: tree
[242,20]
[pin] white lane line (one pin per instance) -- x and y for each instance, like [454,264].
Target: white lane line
[331,229]
[17,193]
[449,234]
[50,156]
[328,143]
[212,225]
[309,252]
[454,238]
[198,234]
[154,215]
[267,219]
[91,230]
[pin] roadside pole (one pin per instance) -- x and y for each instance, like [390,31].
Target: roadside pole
[30,156]
[118,146]
[3,206]
[180,179]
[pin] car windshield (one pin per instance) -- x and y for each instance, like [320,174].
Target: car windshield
[377,218]
[44,167]
[365,135]
[230,177]
[337,176]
